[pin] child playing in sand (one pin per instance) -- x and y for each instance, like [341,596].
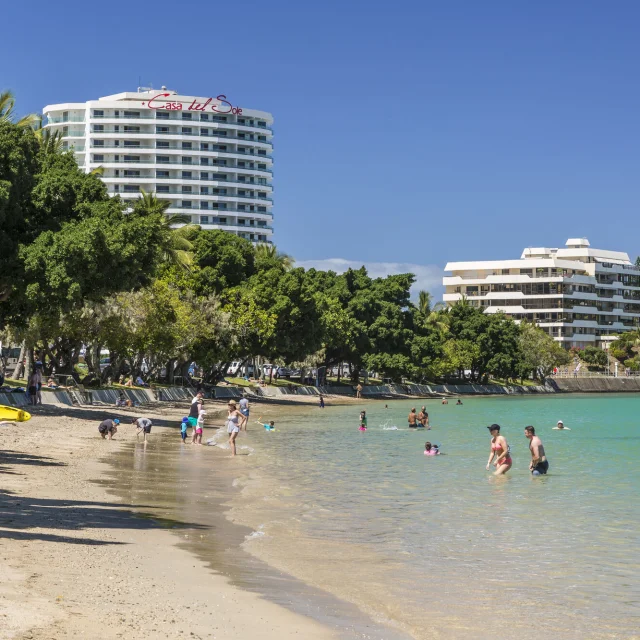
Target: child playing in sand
[183,429]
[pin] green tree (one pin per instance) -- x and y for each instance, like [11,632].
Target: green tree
[7,109]
[539,352]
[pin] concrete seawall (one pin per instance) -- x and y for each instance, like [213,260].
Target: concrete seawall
[595,385]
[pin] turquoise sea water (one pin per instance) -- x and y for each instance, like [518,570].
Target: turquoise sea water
[439,547]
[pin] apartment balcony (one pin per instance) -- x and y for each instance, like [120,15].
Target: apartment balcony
[174,117]
[176,165]
[177,135]
[182,150]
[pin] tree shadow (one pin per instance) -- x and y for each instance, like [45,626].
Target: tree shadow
[19,514]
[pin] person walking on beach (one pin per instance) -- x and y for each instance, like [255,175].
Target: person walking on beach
[321,401]
[412,418]
[244,410]
[539,464]
[423,418]
[144,425]
[108,428]
[499,451]
[359,391]
[235,420]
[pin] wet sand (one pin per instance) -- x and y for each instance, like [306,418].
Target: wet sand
[79,561]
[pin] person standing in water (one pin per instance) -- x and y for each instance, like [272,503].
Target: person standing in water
[363,421]
[244,410]
[144,425]
[499,451]
[235,420]
[412,418]
[539,463]
[321,401]
[561,426]
[423,418]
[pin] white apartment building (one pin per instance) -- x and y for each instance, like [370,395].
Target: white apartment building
[579,295]
[210,159]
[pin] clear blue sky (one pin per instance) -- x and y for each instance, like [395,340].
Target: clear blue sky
[406,132]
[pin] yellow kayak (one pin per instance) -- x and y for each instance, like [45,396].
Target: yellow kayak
[13,414]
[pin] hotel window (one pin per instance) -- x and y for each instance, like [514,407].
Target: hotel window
[131,129]
[223,220]
[186,175]
[186,189]
[262,209]
[162,129]
[262,181]
[241,121]
[262,152]
[186,130]
[221,176]
[128,173]
[163,159]
[131,114]
[204,205]
[162,174]
[204,116]
[221,132]
[241,164]
[131,143]
[98,113]
[204,146]
[98,157]
[186,116]
[220,118]
[187,159]
[262,194]
[98,127]
[204,132]
[220,163]
[262,138]
[98,143]
[242,207]
[241,221]
[204,191]
[204,161]
[131,188]
[132,158]
[204,175]
[163,188]
[241,135]
[186,204]
[162,115]
[117,172]
[262,166]
[204,219]
[186,145]
[242,194]
[219,192]
[116,187]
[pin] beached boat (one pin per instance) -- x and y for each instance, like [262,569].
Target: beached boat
[13,414]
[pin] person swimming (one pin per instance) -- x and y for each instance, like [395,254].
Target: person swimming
[560,426]
[431,449]
[363,421]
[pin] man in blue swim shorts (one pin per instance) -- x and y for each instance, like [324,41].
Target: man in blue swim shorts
[539,463]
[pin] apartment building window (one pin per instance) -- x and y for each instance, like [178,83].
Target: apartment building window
[204,161]
[222,220]
[221,133]
[204,205]
[130,173]
[262,166]
[186,175]
[221,176]
[186,115]
[220,163]
[131,114]
[204,146]
[98,128]
[131,143]
[132,158]
[262,138]
[241,135]
[187,130]
[204,132]
[262,152]
[186,189]
[131,129]
[204,191]
[219,192]
[117,173]
[131,188]
[262,123]
[98,113]
[241,164]
[98,157]
[242,194]
[186,145]
[116,187]
[98,143]
[241,221]
[241,121]
[162,115]
[204,219]
[162,174]
[242,207]
[204,116]
[186,204]
[162,129]
[204,175]
[220,118]
[163,188]
[262,209]
[162,144]
[186,160]
[163,159]
[262,194]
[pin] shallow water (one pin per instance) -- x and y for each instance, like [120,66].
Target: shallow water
[439,547]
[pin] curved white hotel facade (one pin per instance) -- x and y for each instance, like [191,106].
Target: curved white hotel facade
[579,295]
[209,158]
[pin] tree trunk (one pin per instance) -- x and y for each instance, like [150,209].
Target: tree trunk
[19,370]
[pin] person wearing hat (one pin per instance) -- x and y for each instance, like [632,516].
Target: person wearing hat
[561,426]
[235,422]
[499,454]
[108,427]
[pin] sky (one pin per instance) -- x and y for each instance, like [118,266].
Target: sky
[407,134]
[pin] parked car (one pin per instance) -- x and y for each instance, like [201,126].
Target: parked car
[283,372]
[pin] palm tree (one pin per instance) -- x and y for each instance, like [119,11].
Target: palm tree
[179,230]
[7,104]
[269,252]
[424,302]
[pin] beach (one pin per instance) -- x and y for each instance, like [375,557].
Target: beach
[78,563]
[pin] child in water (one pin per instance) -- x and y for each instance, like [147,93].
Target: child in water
[183,429]
[363,421]
[271,426]
[431,449]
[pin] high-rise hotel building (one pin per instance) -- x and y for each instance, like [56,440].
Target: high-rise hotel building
[579,295]
[210,159]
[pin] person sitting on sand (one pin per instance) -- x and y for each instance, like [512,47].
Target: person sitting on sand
[129,382]
[140,382]
[431,450]
[108,428]
[51,384]
[561,426]
[121,400]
